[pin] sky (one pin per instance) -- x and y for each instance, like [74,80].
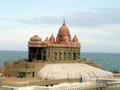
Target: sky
[95,22]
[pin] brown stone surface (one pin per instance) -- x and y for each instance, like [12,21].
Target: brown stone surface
[2,88]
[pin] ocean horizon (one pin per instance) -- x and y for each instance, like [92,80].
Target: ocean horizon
[109,61]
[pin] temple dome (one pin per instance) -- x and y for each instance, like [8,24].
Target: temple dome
[35,38]
[75,39]
[52,39]
[64,30]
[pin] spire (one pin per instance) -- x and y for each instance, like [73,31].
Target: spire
[46,39]
[75,39]
[64,22]
[52,36]
[52,39]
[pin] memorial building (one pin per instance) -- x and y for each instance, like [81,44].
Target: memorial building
[63,47]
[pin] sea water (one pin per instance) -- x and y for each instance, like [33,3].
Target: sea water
[109,61]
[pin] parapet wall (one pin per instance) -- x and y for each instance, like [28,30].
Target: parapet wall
[90,84]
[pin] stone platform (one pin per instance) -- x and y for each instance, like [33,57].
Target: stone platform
[31,68]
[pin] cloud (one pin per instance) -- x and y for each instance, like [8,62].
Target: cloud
[89,18]
[92,17]
[96,17]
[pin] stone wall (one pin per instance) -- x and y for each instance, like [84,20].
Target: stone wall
[54,52]
[21,66]
[63,53]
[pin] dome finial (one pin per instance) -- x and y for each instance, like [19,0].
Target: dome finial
[64,22]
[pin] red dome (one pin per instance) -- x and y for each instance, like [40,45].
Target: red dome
[64,30]
[35,38]
[75,39]
[52,39]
